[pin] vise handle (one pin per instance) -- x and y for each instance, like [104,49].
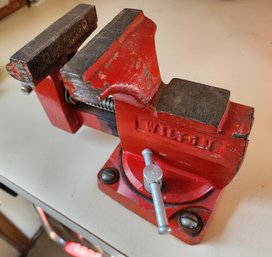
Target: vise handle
[153,181]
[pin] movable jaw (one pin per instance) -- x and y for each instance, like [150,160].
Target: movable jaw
[196,136]
[52,48]
[38,63]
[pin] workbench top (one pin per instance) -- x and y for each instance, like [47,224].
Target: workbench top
[226,44]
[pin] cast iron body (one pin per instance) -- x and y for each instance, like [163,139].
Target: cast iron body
[197,135]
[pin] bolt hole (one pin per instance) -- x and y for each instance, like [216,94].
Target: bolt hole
[84,24]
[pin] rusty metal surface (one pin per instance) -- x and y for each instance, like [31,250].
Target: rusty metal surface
[51,48]
[197,136]
[74,70]
[105,120]
[194,101]
[90,53]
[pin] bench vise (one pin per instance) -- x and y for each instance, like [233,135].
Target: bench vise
[180,143]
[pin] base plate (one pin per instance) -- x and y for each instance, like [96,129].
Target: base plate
[123,192]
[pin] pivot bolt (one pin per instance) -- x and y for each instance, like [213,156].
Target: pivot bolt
[190,222]
[109,175]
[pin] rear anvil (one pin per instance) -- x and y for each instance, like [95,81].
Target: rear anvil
[194,138]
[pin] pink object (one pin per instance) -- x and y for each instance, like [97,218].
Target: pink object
[79,250]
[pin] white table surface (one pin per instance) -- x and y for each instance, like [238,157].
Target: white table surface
[222,43]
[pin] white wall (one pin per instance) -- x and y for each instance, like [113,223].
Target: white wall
[20,212]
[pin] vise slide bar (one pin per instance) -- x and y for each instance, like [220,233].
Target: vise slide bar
[180,143]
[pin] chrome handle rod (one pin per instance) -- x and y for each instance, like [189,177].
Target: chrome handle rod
[153,177]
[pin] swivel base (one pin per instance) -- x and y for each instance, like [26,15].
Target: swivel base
[188,220]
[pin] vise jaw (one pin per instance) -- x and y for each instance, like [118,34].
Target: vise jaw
[195,136]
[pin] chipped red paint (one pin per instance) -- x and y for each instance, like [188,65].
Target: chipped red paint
[217,165]
[198,158]
[129,65]
[142,205]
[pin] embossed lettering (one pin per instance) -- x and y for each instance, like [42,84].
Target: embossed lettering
[170,133]
[192,140]
[206,144]
[151,126]
[162,130]
[177,135]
